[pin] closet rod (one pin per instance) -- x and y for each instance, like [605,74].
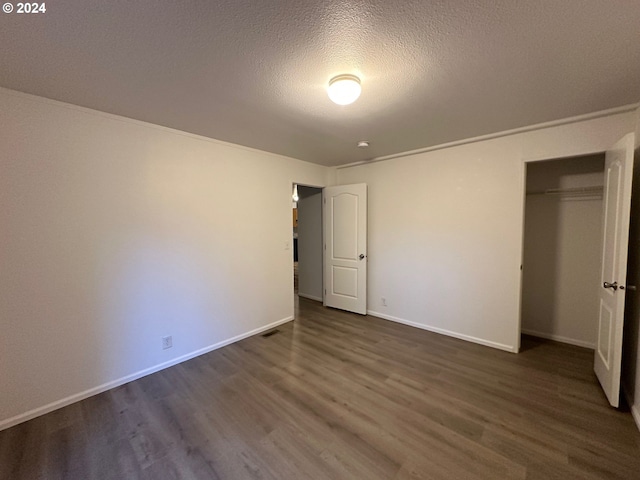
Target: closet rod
[574,192]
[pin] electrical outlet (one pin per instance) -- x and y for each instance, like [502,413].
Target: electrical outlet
[167,342]
[383,301]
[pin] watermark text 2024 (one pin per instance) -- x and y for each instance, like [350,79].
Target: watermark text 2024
[24,7]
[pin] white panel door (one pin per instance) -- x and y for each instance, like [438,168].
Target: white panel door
[616,207]
[345,260]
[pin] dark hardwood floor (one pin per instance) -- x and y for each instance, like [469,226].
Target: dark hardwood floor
[339,396]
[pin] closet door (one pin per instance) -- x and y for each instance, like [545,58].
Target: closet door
[616,208]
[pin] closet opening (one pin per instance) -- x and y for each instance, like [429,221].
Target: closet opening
[562,252]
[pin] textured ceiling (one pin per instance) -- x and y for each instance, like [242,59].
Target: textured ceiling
[254,72]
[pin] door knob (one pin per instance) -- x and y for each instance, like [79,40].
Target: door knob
[613,285]
[361,256]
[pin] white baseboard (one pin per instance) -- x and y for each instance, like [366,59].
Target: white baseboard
[36,412]
[559,338]
[310,297]
[442,331]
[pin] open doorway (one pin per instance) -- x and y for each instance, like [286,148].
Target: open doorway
[307,242]
[562,257]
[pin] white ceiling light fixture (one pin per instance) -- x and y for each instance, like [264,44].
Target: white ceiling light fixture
[295,196]
[344,89]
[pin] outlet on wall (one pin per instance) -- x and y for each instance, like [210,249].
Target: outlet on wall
[167,342]
[383,301]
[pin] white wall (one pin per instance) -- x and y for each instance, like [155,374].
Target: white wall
[310,283]
[115,233]
[562,250]
[445,228]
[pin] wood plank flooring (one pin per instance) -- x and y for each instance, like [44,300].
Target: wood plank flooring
[339,396]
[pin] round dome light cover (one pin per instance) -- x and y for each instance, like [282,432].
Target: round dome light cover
[344,89]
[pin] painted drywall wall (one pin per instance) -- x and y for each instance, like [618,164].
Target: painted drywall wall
[562,250]
[115,233]
[446,228]
[310,243]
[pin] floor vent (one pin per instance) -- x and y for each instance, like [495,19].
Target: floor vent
[272,332]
